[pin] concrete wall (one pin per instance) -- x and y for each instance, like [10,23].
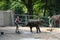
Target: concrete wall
[6,18]
[1,19]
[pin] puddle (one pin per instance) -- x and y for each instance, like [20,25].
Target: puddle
[27,32]
[35,39]
[30,39]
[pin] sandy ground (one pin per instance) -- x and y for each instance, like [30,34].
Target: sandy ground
[9,33]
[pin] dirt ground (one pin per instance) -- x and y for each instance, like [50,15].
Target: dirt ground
[9,33]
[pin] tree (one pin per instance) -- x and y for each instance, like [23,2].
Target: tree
[18,10]
[28,4]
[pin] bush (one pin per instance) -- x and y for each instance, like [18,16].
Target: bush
[46,23]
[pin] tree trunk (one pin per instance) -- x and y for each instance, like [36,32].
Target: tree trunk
[45,8]
[30,7]
[44,12]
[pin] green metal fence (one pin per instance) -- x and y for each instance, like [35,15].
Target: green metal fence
[25,19]
[47,21]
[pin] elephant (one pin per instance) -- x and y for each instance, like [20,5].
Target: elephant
[36,24]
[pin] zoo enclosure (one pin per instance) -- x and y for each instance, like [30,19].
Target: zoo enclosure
[26,18]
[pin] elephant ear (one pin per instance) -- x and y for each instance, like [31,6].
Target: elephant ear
[55,17]
[42,21]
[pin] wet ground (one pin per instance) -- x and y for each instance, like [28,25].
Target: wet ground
[9,34]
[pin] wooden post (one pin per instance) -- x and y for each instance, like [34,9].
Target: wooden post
[59,21]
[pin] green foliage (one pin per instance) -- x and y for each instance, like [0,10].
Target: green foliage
[46,21]
[38,6]
[18,10]
[2,3]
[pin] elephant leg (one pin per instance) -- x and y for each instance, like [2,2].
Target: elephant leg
[36,29]
[39,29]
[30,29]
